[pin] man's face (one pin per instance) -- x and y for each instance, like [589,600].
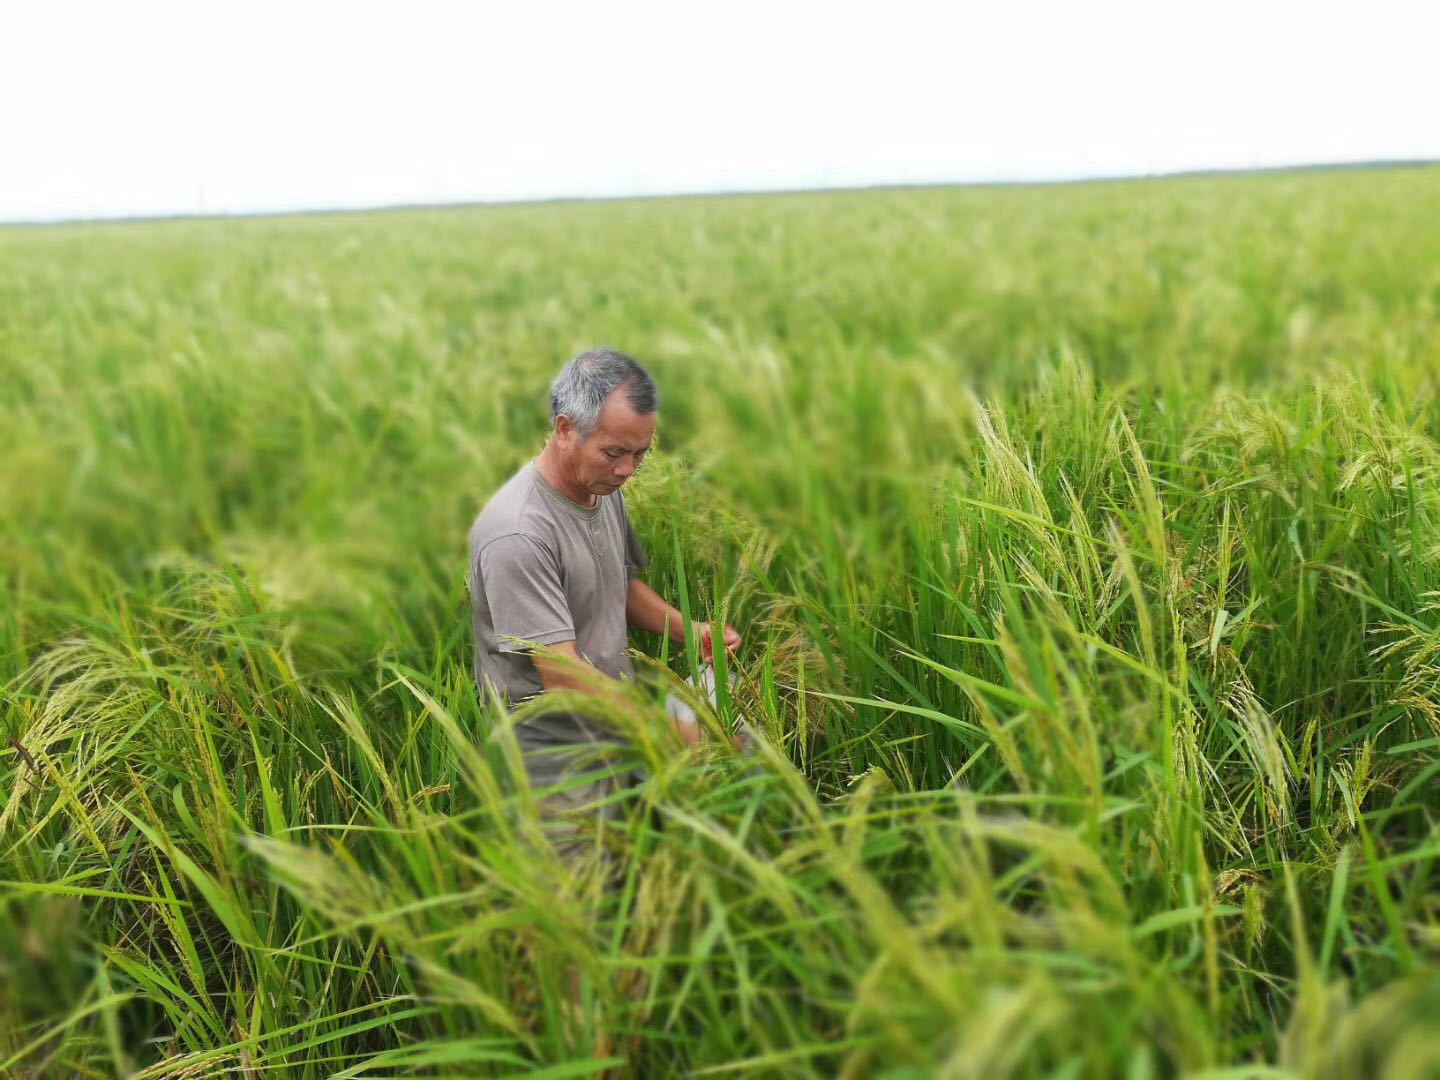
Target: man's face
[614,450]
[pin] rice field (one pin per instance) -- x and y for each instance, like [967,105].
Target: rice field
[1085,545]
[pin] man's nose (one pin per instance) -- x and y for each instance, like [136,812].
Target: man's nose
[624,467]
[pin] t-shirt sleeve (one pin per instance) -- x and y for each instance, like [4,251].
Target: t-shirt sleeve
[521,576]
[635,557]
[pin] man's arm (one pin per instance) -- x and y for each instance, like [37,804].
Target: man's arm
[647,610]
[560,667]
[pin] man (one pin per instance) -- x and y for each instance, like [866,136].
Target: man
[554,563]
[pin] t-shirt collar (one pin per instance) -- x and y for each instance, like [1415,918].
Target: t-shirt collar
[564,500]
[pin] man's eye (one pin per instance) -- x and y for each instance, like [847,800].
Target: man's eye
[612,454]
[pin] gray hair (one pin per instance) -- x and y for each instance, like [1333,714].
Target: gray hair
[582,386]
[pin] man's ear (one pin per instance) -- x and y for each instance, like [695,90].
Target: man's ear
[565,432]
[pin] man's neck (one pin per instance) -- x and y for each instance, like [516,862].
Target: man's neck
[555,476]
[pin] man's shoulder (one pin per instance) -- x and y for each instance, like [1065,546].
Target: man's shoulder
[512,509]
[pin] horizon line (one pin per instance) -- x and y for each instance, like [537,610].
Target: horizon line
[727,193]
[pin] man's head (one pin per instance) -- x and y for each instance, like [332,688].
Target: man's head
[602,406]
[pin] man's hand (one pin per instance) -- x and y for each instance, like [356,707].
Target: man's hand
[704,633]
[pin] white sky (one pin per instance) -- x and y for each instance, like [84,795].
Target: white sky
[142,107]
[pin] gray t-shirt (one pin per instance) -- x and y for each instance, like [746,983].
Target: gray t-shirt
[545,569]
